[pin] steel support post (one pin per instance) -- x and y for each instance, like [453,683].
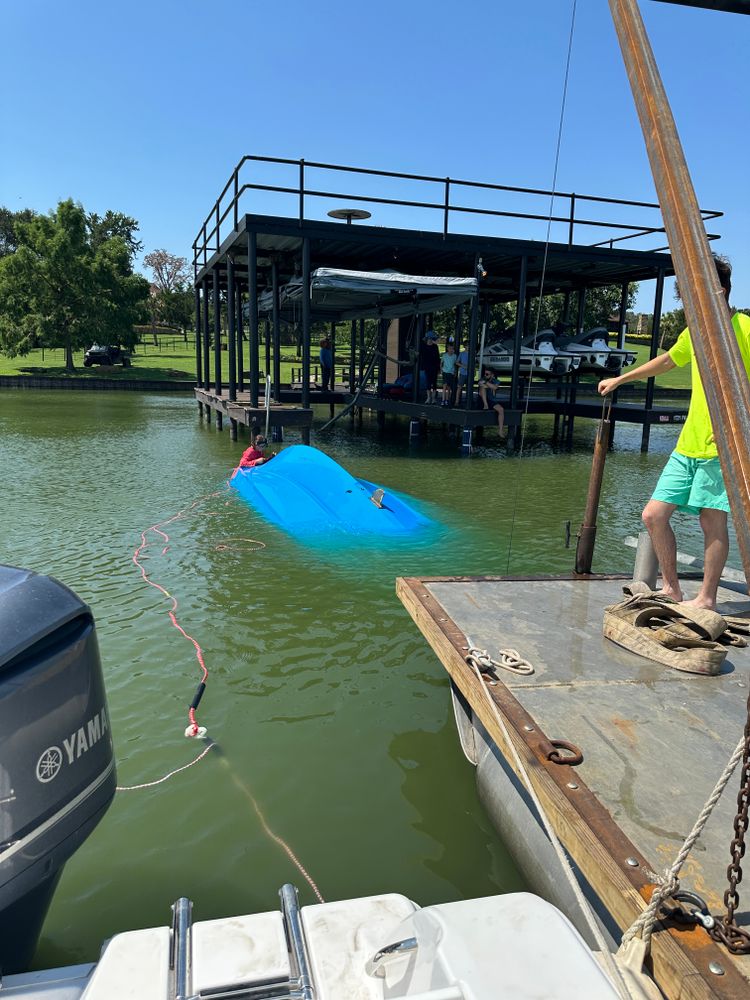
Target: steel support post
[580,317]
[654,350]
[252,298]
[217,334]
[205,332]
[231,331]
[622,319]
[352,351]
[306,323]
[198,358]
[240,339]
[276,322]
[714,342]
[267,335]
[332,381]
[473,327]
[417,367]
[518,332]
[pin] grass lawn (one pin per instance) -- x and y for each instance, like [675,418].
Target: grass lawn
[173,359]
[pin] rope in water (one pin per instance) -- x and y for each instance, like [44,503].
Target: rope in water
[194,730]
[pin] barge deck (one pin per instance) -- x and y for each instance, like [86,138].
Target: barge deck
[654,742]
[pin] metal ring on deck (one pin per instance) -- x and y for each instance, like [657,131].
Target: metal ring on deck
[557,758]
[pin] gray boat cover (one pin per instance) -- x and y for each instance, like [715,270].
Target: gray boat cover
[340,294]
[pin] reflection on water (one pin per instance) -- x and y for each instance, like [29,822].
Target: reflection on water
[327,704]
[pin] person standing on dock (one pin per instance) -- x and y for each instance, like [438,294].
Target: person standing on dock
[691,480]
[326,364]
[448,366]
[463,368]
[429,363]
[254,454]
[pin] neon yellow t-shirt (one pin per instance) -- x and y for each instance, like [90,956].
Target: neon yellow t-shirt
[695,439]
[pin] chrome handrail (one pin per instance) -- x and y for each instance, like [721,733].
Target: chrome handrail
[295,936]
[181,950]
[376,965]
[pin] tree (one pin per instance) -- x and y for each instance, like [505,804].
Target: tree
[671,326]
[170,273]
[59,290]
[8,220]
[171,297]
[103,228]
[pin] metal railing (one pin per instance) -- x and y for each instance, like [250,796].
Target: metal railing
[226,206]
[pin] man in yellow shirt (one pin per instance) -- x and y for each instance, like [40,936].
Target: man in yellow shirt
[691,480]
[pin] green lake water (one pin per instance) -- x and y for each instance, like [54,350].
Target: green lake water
[331,711]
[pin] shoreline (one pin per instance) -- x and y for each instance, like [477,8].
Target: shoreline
[73,382]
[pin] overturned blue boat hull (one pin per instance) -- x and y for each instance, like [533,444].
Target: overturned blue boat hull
[305,492]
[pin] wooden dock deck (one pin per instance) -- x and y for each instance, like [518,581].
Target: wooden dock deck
[654,742]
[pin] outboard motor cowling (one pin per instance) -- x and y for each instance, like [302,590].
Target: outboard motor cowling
[57,769]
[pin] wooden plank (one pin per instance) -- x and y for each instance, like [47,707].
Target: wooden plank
[680,957]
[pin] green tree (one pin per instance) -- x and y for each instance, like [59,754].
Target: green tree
[671,326]
[113,224]
[8,220]
[58,290]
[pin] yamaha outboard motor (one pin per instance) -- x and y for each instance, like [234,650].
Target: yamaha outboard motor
[57,769]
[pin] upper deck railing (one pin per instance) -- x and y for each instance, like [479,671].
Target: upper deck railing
[227,205]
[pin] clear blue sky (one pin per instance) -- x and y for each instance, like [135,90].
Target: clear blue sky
[146,107]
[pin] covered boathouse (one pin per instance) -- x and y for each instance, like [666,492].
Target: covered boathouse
[252,268]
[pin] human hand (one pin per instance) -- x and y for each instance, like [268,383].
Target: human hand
[607,385]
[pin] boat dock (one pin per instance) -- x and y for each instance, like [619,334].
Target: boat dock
[654,741]
[250,270]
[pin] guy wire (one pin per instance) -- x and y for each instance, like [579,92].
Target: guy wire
[543,274]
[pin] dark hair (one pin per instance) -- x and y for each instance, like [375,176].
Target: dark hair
[723,270]
[260,437]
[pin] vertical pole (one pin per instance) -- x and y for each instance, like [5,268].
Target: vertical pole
[715,344]
[206,351]
[252,297]
[518,332]
[231,330]
[276,322]
[240,339]
[198,358]
[332,383]
[473,327]
[217,332]
[419,322]
[352,349]
[267,335]
[655,333]
[580,318]
[306,324]
[623,316]
[382,332]
[361,352]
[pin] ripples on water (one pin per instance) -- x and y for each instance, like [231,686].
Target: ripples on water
[326,702]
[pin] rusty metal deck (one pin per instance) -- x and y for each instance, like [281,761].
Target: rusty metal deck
[654,739]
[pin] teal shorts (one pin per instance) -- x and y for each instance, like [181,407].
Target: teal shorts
[692,484]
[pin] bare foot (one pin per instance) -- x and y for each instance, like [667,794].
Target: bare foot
[673,595]
[702,602]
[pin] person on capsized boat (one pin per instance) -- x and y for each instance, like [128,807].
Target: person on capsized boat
[254,455]
[691,480]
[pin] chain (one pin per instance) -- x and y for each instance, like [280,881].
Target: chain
[726,931]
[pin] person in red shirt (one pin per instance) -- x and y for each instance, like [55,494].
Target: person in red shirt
[254,454]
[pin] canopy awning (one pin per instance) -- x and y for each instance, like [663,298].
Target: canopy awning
[340,295]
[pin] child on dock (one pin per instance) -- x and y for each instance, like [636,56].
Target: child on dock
[448,367]
[488,384]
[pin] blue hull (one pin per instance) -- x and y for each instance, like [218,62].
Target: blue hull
[305,492]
